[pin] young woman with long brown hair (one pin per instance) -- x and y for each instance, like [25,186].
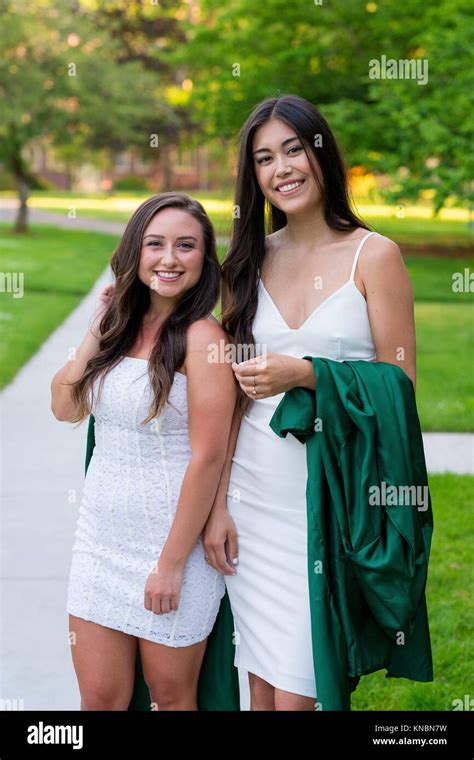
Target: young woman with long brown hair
[295,283]
[162,419]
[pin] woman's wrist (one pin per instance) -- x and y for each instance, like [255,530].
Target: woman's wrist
[94,329]
[220,503]
[306,376]
[169,562]
[90,345]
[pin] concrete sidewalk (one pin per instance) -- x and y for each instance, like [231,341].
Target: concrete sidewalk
[449,452]
[43,473]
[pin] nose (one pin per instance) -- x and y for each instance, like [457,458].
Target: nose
[282,166]
[168,257]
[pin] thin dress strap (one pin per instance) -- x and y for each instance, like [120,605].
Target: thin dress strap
[356,257]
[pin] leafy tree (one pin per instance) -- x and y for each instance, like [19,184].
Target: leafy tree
[421,134]
[64,75]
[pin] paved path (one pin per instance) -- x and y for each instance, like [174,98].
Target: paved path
[36,216]
[43,471]
[449,452]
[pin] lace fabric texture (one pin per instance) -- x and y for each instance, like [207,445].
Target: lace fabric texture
[129,502]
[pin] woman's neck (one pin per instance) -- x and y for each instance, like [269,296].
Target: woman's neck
[159,309]
[307,231]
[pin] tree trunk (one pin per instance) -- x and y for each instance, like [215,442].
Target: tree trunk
[21,221]
[167,173]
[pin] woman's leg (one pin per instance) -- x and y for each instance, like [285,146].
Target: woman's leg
[262,694]
[172,673]
[104,661]
[285,700]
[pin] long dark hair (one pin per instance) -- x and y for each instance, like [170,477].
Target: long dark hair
[258,217]
[121,323]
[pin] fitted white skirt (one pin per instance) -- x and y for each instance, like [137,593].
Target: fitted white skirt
[269,594]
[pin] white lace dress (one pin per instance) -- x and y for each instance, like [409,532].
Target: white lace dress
[129,502]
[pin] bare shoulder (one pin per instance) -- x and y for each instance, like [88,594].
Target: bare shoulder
[202,332]
[382,268]
[209,373]
[379,251]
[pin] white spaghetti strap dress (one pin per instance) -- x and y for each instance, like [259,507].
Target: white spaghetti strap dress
[267,498]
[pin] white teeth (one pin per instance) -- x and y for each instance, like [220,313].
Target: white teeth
[170,275]
[287,188]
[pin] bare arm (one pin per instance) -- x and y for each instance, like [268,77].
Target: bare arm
[389,295]
[211,400]
[220,501]
[220,534]
[62,405]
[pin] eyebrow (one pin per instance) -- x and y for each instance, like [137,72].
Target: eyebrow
[181,237]
[285,142]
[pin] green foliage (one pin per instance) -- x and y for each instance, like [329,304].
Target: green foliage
[432,125]
[132,184]
[420,134]
[97,77]
[67,77]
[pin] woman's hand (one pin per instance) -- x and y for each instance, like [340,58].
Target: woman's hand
[219,529]
[163,588]
[102,304]
[271,374]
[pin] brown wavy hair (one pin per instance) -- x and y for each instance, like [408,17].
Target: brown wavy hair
[121,322]
[258,217]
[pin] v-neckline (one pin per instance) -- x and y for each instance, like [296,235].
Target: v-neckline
[297,329]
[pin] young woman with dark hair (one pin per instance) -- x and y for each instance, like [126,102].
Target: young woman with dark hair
[162,413]
[294,283]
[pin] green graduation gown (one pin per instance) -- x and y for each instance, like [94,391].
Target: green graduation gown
[367,561]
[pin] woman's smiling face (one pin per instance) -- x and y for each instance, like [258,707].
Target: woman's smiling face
[282,168]
[172,255]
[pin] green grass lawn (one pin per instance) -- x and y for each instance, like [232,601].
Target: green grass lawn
[445,359]
[450,610]
[59,269]
[412,231]
[60,266]
[433,278]
[416,225]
